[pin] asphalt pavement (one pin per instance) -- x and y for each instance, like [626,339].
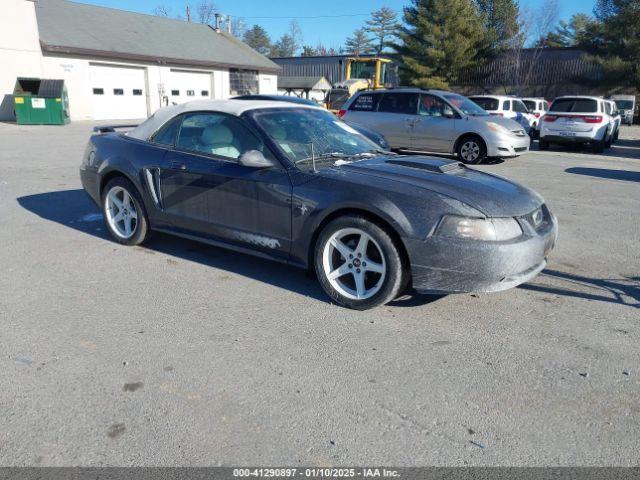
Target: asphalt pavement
[177,353]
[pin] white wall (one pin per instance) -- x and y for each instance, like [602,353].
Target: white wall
[268,84]
[20,54]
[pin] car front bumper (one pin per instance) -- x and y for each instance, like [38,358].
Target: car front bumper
[508,146]
[449,265]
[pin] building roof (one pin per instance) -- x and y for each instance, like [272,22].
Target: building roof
[304,83]
[76,28]
[232,107]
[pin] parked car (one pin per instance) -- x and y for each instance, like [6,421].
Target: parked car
[616,118]
[507,107]
[537,107]
[293,184]
[367,132]
[435,121]
[626,104]
[577,119]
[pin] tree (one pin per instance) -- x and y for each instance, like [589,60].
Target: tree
[615,41]
[296,35]
[359,43]
[440,39]
[161,11]
[258,39]
[284,47]
[500,20]
[535,23]
[577,32]
[383,27]
[308,51]
[205,12]
[238,26]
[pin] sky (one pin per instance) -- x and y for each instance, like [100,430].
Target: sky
[327,28]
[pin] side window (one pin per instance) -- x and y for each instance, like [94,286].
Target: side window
[546,106]
[219,135]
[431,106]
[366,102]
[167,133]
[400,102]
[506,105]
[518,106]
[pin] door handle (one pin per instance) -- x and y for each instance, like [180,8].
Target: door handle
[177,165]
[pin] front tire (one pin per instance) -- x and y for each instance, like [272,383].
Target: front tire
[124,213]
[358,264]
[471,150]
[543,144]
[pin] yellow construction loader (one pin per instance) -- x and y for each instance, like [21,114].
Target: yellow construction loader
[361,73]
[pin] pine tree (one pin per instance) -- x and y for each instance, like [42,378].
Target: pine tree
[615,41]
[383,27]
[500,20]
[359,43]
[284,47]
[258,39]
[441,38]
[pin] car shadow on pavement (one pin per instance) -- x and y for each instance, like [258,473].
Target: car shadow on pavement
[74,209]
[626,175]
[623,291]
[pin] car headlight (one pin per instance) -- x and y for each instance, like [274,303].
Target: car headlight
[489,229]
[498,128]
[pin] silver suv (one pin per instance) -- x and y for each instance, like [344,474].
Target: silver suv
[436,121]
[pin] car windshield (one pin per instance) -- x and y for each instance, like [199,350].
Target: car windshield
[465,105]
[303,134]
[624,104]
[582,105]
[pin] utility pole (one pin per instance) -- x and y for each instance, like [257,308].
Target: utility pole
[229,24]
[188,13]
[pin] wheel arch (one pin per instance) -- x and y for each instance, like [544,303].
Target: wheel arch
[460,138]
[369,215]
[107,176]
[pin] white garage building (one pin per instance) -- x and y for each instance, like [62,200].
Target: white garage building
[123,65]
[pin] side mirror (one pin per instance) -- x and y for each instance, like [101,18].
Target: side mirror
[448,112]
[255,159]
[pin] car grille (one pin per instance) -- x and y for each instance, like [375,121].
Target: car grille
[538,219]
[520,149]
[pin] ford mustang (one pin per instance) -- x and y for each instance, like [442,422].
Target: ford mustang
[295,184]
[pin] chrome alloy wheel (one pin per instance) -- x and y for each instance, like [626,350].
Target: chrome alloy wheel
[354,263]
[121,212]
[470,151]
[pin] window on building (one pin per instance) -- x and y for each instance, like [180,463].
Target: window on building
[118,91]
[190,93]
[98,91]
[243,82]
[137,91]
[175,93]
[205,93]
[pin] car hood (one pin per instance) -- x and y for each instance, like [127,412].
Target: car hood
[492,195]
[505,122]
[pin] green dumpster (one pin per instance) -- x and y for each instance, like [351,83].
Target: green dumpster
[40,101]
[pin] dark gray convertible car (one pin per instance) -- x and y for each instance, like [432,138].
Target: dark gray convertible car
[295,184]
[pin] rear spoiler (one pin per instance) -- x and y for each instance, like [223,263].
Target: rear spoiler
[111,128]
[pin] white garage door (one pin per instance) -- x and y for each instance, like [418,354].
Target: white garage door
[185,86]
[118,92]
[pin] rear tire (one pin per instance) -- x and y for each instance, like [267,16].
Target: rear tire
[599,146]
[471,150]
[124,213]
[358,264]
